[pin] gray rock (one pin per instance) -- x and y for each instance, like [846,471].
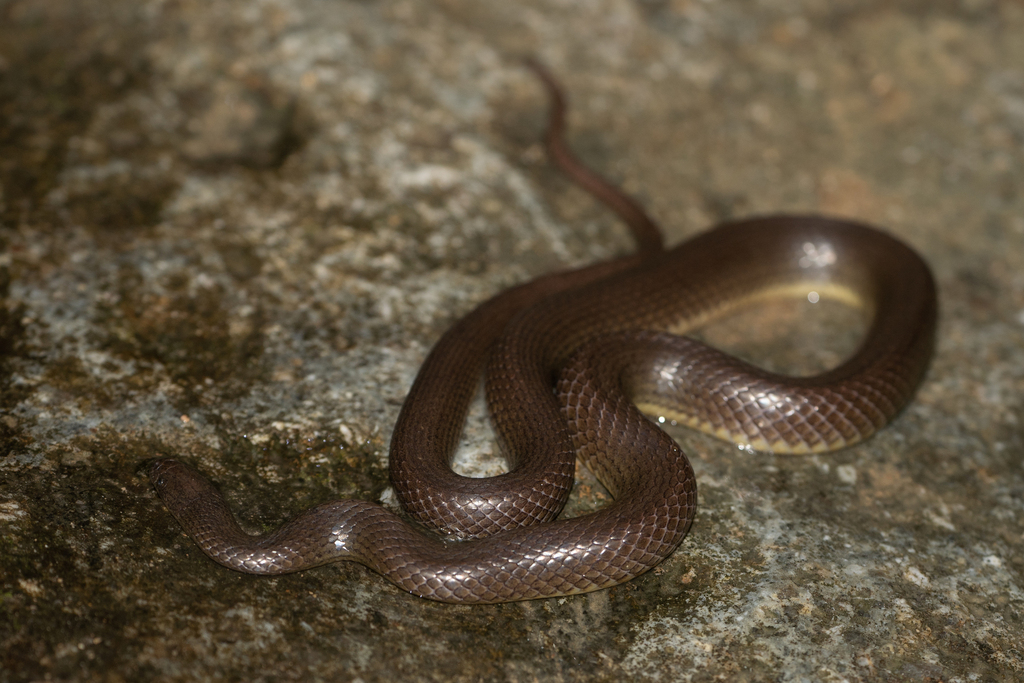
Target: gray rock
[231,231]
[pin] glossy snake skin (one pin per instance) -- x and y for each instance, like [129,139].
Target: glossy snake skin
[604,337]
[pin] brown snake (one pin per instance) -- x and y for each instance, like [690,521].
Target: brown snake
[601,336]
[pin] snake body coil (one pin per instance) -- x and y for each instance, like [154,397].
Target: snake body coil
[605,337]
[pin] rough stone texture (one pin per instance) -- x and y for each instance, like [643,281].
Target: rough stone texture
[231,230]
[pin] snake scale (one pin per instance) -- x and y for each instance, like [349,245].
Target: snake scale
[569,360]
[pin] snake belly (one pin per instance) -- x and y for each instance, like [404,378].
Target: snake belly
[568,359]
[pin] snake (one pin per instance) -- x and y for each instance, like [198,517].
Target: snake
[586,364]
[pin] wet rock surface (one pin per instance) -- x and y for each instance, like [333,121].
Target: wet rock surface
[230,231]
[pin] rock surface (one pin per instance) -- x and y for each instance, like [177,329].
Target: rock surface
[231,231]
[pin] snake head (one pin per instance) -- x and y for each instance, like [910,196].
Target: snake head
[173,477]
